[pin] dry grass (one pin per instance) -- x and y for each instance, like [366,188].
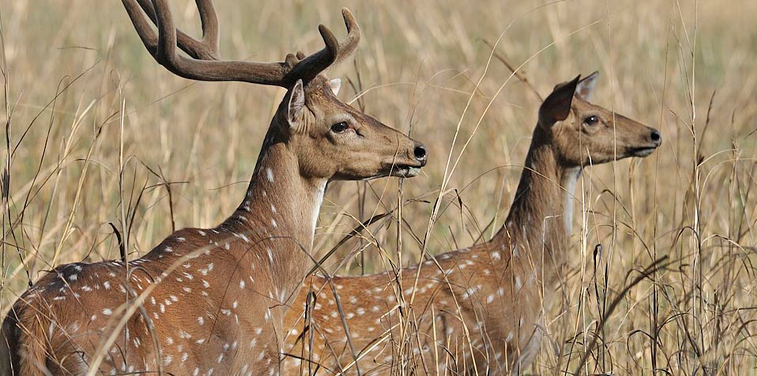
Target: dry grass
[93,121]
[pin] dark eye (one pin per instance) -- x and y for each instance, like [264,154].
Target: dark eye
[591,120]
[340,127]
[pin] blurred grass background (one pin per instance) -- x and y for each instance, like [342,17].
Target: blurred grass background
[96,131]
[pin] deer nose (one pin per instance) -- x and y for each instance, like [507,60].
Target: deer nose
[420,154]
[655,136]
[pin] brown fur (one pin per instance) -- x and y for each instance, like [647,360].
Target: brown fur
[9,339]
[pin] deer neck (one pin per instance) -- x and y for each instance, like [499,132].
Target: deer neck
[541,216]
[279,213]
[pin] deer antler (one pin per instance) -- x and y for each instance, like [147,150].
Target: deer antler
[204,62]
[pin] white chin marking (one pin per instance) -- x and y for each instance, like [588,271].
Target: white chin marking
[644,152]
[406,172]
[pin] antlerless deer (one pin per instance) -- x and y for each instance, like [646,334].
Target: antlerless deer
[476,310]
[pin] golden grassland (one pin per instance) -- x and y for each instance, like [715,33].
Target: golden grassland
[96,132]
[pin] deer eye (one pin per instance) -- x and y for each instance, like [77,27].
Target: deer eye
[591,120]
[340,127]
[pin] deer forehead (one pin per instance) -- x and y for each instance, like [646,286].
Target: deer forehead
[578,107]
[324,116]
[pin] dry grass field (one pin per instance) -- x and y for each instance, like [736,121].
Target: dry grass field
[97,136]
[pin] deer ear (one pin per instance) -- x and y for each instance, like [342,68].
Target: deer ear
[296,103]
[335,84]
[586,86]
[557,105]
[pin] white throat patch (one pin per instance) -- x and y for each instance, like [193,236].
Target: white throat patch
[569,180]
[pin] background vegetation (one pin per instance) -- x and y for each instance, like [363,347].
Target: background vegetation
[96,132]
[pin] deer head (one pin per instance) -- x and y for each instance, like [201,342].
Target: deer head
[333,140]
[583,134]
[330,139]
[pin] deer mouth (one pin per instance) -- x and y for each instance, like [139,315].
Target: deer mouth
[402,170]
[406,171]
[642,151]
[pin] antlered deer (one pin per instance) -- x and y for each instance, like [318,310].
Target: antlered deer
[477,310]
[212,301]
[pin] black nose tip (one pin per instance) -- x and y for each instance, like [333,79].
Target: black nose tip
[420,153]
[655,136]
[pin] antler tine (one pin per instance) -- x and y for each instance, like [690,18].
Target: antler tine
[191,46]
[351,42]
[309,67]
[142,26]
[334,52]
[210,29]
